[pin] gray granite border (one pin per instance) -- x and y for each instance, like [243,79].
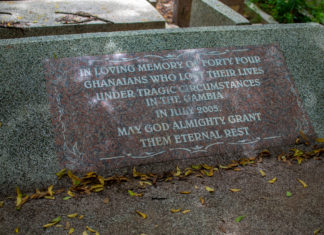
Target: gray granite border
[27,153]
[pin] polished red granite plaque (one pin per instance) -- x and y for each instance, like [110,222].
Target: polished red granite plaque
[127,109]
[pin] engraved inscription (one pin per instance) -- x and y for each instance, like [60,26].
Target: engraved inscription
[123,109]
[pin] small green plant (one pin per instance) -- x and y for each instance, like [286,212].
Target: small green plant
[293,11]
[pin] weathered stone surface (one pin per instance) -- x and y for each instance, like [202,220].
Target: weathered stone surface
[37,18]
[213,13]
[28,155]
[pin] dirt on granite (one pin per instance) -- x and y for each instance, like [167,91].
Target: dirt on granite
[288,199]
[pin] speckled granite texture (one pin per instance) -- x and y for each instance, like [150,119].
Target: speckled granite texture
[27,153]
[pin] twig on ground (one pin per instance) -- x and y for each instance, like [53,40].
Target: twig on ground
[84,14]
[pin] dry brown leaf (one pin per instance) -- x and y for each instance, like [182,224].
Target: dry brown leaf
[202,200]
[303,183]
[185,192]
[301,133]
[106,200]
[67,225]
[144,216]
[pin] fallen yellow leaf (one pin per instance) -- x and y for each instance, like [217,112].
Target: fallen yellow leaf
[273,180]
[188,172]
[262,173]
[101,180]
[90,229]
[304,137]
[70,193]
[72,215]
[297,152]
[97,188]
[316,231]
[303,183]
[202,200]
[53,222]
[131,193]
[67,225]
[145,182]
[178,173]
[234,190]
[209,189]
[207,167]
[196,167]
[49,197]
[19,17]
[144,216]
[20,200]
[61,173]
[19,197]
[75,180]
[71,231]
[185,192]
[81,216]
[84,233]
[185,211]
[17,230]
[1,203]
[175,210]
[59,226]
[319,140]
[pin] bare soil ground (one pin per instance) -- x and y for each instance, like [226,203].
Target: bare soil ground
[265,207]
